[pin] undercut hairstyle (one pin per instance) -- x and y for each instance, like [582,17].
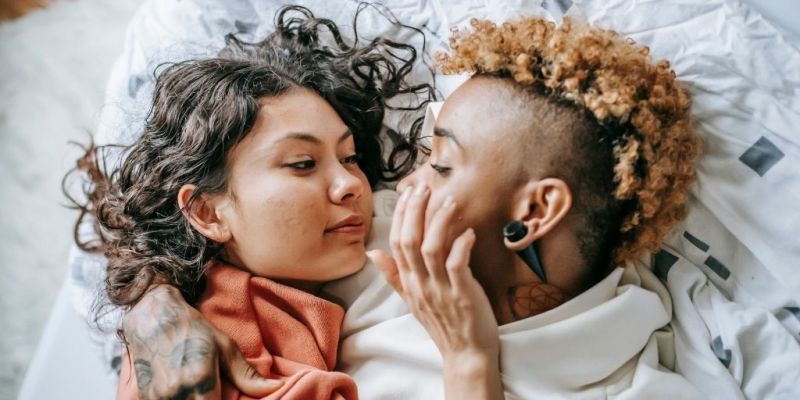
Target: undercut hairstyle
[201,109]
[630,150]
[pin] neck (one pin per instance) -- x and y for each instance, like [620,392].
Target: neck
[515,292]
[311,287]
[306,286]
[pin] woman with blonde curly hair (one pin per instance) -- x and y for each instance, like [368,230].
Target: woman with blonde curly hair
[564,159]
[561,163]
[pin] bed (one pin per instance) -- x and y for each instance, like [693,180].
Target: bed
[731,266]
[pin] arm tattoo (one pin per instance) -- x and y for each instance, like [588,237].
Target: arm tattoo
[187,391]
[144,373]
[166,334]
[157,317]
[191,351]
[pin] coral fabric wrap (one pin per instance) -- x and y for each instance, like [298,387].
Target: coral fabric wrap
[282,331]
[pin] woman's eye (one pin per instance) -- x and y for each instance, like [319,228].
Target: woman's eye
[352,159]
[440,169]
[303,165]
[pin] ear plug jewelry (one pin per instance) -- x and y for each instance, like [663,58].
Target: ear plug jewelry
[514,232]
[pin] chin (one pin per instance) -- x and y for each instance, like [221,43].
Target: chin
[351,261]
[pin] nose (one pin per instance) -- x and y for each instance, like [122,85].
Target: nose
[346,185]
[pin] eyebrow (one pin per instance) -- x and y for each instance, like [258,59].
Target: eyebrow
[442,132]
[313,139]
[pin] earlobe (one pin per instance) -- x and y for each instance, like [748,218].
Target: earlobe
[541,206]
[202,214]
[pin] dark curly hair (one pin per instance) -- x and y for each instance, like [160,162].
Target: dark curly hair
[633,151]
[201,109]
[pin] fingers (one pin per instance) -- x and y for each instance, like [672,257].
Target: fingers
[241,373]
[436,244]
[413,229]
[388,266]
[397,227]
[457,263]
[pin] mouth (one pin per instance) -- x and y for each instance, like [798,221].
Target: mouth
[351,225]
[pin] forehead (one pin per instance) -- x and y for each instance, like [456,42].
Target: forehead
[299,110]
[484,111]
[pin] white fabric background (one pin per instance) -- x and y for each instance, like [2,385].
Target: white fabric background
[54,65]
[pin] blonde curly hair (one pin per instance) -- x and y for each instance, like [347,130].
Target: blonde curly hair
[638,101]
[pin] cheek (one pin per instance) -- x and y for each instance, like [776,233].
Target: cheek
[281,215]
[479,201]
[462,195]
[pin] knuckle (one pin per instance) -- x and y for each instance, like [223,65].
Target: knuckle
[427,297]
[420,307]
[395,244]
[430,250]
[454,265]
[408,243]
[226,347]
[464,304]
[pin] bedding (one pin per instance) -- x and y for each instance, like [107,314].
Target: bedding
[730,267]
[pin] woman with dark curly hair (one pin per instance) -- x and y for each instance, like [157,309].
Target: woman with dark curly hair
[250,187]
[556,167]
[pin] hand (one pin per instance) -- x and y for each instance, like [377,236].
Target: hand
[176,351]
[430,271]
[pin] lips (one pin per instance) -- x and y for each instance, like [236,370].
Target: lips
[352,224]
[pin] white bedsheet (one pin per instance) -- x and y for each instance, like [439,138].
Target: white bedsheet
[731,267]
[732,264]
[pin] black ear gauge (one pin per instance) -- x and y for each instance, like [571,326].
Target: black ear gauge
[514,232]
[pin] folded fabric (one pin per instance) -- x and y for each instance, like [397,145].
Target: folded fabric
[611,342]
[283,332]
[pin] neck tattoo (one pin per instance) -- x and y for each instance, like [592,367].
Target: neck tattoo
[534,298]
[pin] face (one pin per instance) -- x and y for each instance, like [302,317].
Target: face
[472,161]
[298,206]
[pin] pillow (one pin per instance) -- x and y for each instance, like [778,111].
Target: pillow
[732,265]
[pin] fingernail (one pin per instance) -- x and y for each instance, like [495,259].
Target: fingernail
[420,190]
[448,202]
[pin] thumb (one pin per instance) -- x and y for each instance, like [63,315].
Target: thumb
[386,264]
[242,374]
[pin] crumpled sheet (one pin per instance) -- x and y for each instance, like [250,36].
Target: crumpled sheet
[731,267]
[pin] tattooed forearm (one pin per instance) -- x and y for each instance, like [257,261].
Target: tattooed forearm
[186,392]
[191,351]
[173,347]
[157,314]
[534,298]
[144,373]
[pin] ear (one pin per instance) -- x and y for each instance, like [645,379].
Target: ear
[203,215]
[541,205]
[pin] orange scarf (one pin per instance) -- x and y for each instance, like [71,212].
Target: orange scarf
[282,331]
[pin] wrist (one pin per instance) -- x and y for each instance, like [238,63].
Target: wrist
[474,374]
[471,364]
[159,289]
